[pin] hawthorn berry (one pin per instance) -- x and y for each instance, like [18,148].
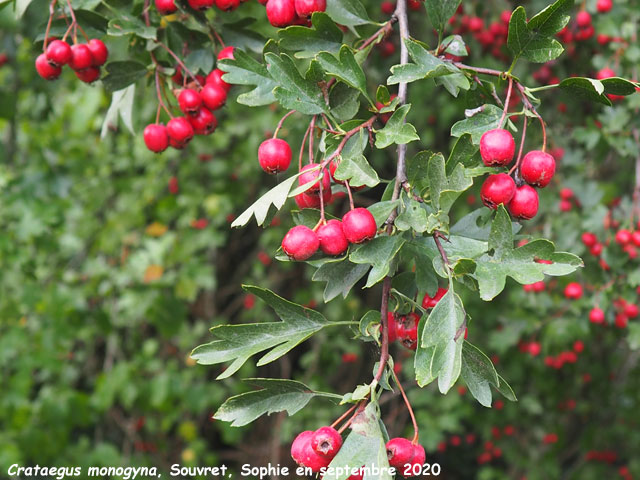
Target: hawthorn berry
[537,168]
[596,250]
[332,239]
[200,4]
[300,243]
[399,452]
[497,189]
[430,302]
[45,69]
[359,225]
[573,291]
[566,193]
[310,173]
[215,78]
[99,52]
[274,155]
[81,57]
[166,7]
[621,320]
[326,442]
[281,13]
[392,327]
[88,75]
[226,52]
[589,239]
[304,455]
[58,53]
[156,138]
[414,5]
[419,457]
[213,96]
[497,147]
[623,237]
[583,19]
[227,5]
[306,200]
[387,7]
[189,101]
[631,310]
[174,187]
[596,315]
[524,204]
[605,73]
[304,8]
[604,6]
[180,132]
[203,122]
[407,330]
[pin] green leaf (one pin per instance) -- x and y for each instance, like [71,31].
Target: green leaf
[122,74]
[505,390]
[238,343]
[357,171]
[486,118]
[277,196]
[293,91]
[244,70]
[505,261]
[382,210]
[618,86]
[454,45]
[344,102]
[323,35]
[396,130]
[378,253]
[443,189]
[340,276]
[464,152]
[126,25]
[200,60]
[347,12]
[585,88]
[121,107]
[413,216]
[275,395]
[454,83]
[478,373]
[417,171]
[346,69]
[365,446]
[440,11]
[426,65]
[552,19]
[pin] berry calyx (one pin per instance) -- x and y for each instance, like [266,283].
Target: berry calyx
[497,147]
[359,225]
[213,96]
[332,239]
[58,53]
[180,132]
[573,291]
[166,7]
[189,101]
[156,138]
[497,190]
[45,69]
[524,204]
[326,442]
[537,168]
[274,155]
[281,13]
[304,8]
[596,315]
[400,452]
[300,243]
[99,52]
[81,57]
[310,173]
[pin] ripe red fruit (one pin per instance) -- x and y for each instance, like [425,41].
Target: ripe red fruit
[226,52]
[300,243]
[173,186]
[204,122]
[227,5]
[497,147]
[180,132]
[387,7]
[534,349]
[332,239]
[596,249]
[573,291]
[578,346]
[589,239]
[414,5]
[215,78]
[304,455]
[81,57]
[635,238]
[200,4]
[605,73]
[623,237]
[399,452]
[497,190]
[419,457]
[213,96]
[537,168]
[156,138]
[45,69]
[596,315]
[359,225]
[621,320]
[604,6]
[583,19]
[566,194]
[58,53]
[304,8]
[274,155]
[310,173]
[281,13]
[166,7]
[524,203]
[407,330]
[326,442]
[430,302]
[631,310]
[305,200]
[392,326]
[189,101]
[88,75]
[99,52]
[476,24]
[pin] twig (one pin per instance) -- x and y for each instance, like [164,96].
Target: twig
[437,235]
[416,433]
[52,6]
[524,135]
[506,102]
[279,126]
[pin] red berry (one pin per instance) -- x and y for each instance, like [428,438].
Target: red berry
[399,452]
[226,52]
[589,239]
[566,194]
[505,16]
[200,4]
[583,19]
[631,310]
[623,237]
[524,204]
[310,173]
[392,326]
[359,225]
[621,320]
[99,52]
[476,24]
[419,457]
[81,57]
[497,147]
[180,132]
[578,346]
[88,75]
[156,138]
[213,96]
[534,349]
[306,200]
[407,330]
[387,7]
[299,445]
[304,455]
[596,315]
[281,13]
[274,155]
[189,101]
[604,6]
[357,476]
[430,302]
[304,8]
[166,7]
[605,73]
[537,168]
[635,238]
[58,53]
[300,243]
[227,5]
[596,249]
[215,78]
[332,239]
[414,5]
[326,442]
[45,69]
[173,186]
[573,291]
[204,122]
[497,190]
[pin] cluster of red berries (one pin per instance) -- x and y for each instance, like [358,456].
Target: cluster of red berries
[565,357]
[492,37]
[490,453]
[167,7]
[497,148]
[536,287]
[85,59]
[606,456]
[627,240]
[198,104]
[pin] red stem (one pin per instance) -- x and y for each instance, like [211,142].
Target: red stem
[416,433]
[159,94]
[506,102]
[524,135]
[311,134]
[279,126]
[52,7]
[346,184]
[304,142]
[179,62]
